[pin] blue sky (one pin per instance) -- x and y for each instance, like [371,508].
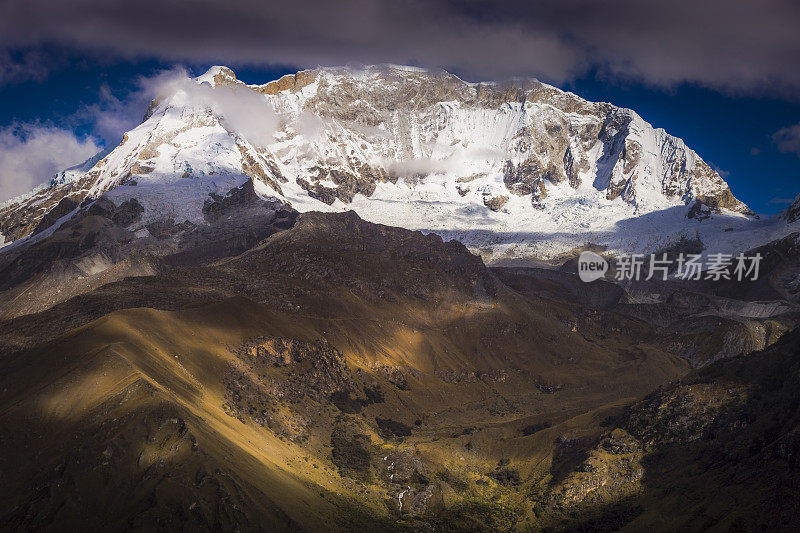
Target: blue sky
[721,74]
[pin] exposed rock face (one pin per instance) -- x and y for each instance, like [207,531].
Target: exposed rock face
[495,203]
[612,470]
[348,238]
[726,434]
[290,82]
[22,217]
[128,212]
[104,240]
[218,206]
[792,213]
[64,207]
[315,370]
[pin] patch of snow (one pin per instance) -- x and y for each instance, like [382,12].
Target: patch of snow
[400,498]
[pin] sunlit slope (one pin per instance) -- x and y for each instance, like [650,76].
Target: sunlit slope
[128,417]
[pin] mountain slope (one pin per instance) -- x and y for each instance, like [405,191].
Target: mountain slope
[721,446]
[343,375]
[338,375]
[514,170]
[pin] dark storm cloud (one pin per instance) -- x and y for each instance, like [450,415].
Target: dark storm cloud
[734,45]
[26,65]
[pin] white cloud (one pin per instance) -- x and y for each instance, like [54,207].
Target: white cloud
[31,153]
[113,115]
[780,201]
[421,166]
[724,174]
[243,110]
[788,139]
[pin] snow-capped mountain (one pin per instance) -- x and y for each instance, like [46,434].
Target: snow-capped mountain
[514,170]
[75,172]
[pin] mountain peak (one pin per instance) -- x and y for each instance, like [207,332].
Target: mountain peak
[217,75]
